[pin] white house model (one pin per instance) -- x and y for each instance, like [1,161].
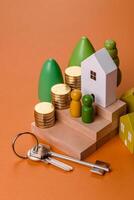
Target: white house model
[99,77]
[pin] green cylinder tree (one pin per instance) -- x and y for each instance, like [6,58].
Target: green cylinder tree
[50,75]
[82,50]
[110,45]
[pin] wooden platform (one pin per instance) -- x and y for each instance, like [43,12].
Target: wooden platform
[77,139]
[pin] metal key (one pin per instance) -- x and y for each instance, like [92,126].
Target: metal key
[99,167]
[37,154]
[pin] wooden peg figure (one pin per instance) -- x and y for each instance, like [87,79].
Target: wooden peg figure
[87,109]
[75,106]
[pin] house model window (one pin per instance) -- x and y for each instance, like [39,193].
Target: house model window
[93,75]
[122,127]
[129,137]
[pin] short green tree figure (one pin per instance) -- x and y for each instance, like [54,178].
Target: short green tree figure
[83,49]
[50,75]
[87,109]
[110,45]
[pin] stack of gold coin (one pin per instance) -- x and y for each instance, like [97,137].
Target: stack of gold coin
[44,114]
[73,77]
[61,96]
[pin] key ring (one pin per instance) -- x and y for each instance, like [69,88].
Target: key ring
[15,139]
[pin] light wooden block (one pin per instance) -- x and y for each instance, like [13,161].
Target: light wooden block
[67,139]
[114,111]
[103,140]
[95,130]
[78,139]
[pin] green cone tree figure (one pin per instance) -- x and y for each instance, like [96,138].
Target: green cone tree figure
[110,45]
[82,50]
[50,75]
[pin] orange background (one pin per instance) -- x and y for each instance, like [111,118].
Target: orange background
[32,31]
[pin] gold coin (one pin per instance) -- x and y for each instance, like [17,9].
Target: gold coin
[73,71]
[44,108]
[44,116]
[43,124]
[61,96]
[62,107]
[65,97]
[73,81]
[60,89]
[72,78]
[61,100]
[74,84]
[44,120]
[61,104]
[43,127]
[75,87]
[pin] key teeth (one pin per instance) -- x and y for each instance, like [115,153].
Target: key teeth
[101,171]
[97,171]
[59,164]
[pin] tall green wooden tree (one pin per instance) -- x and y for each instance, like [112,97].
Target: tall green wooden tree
[110,45]
[50,75]
[83,49]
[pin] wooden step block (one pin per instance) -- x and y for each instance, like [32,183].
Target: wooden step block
[103,140]
[78,139]
[66,139]
[113,111]
[95,130]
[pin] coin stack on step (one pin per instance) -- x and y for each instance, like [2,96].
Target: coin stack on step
[61,96]
[73,77]
[44,114]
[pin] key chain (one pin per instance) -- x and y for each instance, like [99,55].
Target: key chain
[16,138]
[43,153]
[37,153]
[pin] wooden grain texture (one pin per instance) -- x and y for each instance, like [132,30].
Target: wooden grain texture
[78,139]
[66,139]
[107,137]
[91,130]
[113,111]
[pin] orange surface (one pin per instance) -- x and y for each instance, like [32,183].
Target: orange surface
[31,31]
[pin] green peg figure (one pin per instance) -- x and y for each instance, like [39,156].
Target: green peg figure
[87,109]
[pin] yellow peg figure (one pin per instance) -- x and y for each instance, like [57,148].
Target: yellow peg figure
[75,106]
